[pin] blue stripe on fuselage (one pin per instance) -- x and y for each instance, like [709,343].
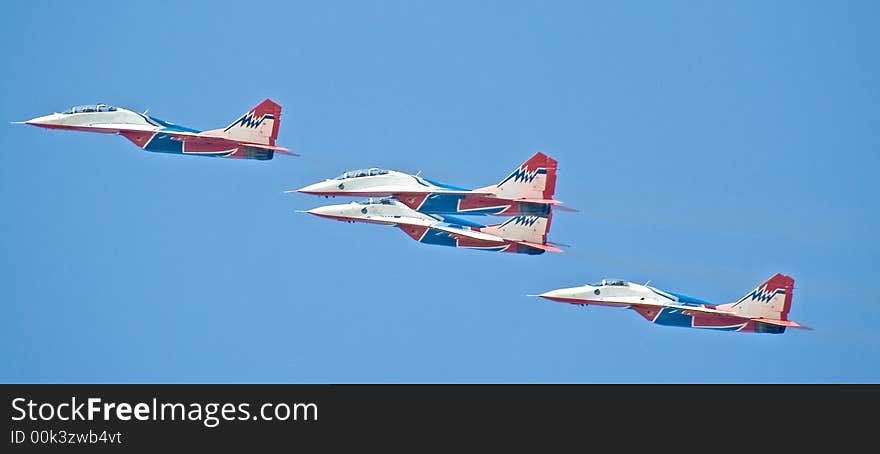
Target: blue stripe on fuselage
[458,221]
[171,127]
[690,301]
[448,204]
[521,175]
[443,185]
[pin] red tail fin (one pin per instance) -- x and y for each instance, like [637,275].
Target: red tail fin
[259,125]
[771,300]
[534,179]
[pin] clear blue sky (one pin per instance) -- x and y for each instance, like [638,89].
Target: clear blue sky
[707,145]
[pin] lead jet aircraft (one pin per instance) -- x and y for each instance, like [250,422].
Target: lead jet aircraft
[520,234]
[251,136]
[528,190]
[763,310]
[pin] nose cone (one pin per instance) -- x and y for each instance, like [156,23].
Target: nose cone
[567,295]
[322,188]
[339,212]
[46,120]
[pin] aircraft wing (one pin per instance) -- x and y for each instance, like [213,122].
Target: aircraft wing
[787,323]
[453,231]
[397,220]
[404,191]
[693,310]
[466,233]
[200,139]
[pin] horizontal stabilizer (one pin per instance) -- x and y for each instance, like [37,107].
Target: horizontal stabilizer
[265,147]
[786,323]
[539,201]
[544,247]
[281,150]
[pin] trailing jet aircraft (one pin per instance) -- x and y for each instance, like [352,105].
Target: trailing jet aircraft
[520,234]
[251,136]
[764,310]
[528,190]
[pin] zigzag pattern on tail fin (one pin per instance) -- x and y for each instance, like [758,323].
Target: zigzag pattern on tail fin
[535,179]
[531,229]
[259,125]
[771,300]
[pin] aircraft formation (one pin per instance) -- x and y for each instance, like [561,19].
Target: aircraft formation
[431,212]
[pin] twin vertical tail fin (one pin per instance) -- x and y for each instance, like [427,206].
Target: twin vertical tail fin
[525,230]
[534,181]
[259,125]
[770,300]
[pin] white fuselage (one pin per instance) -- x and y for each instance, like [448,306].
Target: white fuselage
[383,212]
[112,120]
[379,185]
[622,294]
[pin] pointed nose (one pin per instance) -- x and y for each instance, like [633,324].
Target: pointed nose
[323,211]
[321,188]
[46,120]
[338,212]
[565,295]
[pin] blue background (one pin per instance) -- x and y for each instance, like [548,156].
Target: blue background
[707,146]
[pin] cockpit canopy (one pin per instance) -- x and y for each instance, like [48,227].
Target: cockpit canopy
[362,173]
[610,282]
[90,108]
[382,201]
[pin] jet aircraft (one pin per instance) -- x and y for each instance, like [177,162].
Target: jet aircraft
[528,190]
[251,136]
[519,234]
[763,310]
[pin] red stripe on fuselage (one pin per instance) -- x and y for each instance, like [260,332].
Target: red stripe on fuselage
[714,321]
[464,241]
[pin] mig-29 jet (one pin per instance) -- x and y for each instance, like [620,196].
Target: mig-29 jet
[251,136]
[519,234]
[763,310]
[528,190]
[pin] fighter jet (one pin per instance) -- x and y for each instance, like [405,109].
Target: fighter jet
[528,190]
[251,136]
[520,234]
[763,310]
